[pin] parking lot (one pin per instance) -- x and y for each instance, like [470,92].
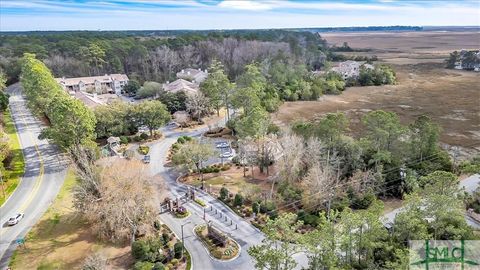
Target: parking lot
[223,150]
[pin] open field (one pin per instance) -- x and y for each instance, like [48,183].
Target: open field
[407,47]
[233,180]
[450,97]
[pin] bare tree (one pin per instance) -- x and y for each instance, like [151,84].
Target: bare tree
[182,118]
[95,262]
[290,162]
[128,204]
[118,200]
[313,152]
[197,105]
[319,185]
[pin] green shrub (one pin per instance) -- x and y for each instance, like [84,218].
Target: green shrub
[216,170]
[143,266]
[174,261]
[165,237]
[236,160]
[157,225]
[139,249]
[149,250]
[301,215]
[238,201]
[223,193]
[181,140]
[255,207]
[200,202]
[267,207]
[359,201]
[158,266]
[137,138]
[178,250]
[143,149]
[248,212]
[311,220]
[144,136]
[273,129]
[123,140]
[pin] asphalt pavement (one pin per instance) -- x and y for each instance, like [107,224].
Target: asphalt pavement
[245,234]
[45,170]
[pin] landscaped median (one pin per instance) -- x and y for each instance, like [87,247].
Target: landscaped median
[219,245]
[181,212]
[14,162]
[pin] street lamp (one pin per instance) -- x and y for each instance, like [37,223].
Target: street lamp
[183,244]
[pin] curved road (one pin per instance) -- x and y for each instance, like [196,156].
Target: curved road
[244,233]
[45,170]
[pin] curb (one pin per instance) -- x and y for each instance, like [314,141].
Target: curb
[176,236]
[208,252]
[224,204]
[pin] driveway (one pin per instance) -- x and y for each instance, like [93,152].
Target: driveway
[45,170]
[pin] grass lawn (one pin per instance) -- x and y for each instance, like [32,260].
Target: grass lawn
[16,166]
[62,240]
[232,179]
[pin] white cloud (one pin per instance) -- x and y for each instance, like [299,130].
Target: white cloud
[246,5]
[122,15]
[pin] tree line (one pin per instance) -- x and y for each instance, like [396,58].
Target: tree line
[71,122]
[156,57]
[358,239]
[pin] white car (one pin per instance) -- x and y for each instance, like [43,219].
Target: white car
[222,144]
[15,219]
[226,154]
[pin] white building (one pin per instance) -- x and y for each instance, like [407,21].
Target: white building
[194,75]
[350,69]
[109,83]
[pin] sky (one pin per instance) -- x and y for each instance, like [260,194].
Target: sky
[20,15]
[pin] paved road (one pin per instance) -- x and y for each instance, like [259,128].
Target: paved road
[470,184]
[245,234]
[44,174]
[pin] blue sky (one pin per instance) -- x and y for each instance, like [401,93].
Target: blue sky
[18,15]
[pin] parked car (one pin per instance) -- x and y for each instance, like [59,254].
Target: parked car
[222,144]
[226,154]
[146,159]
[15,219]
